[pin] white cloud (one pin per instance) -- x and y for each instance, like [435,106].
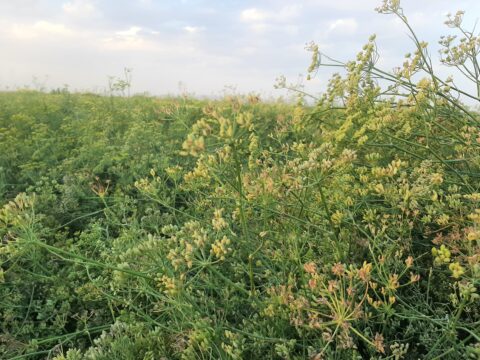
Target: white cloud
[80,8]
[55,36]
[40,28]
[130,39]
[343,27]
[131,33]
[284,14]
[193,29]
[345,5]
[52,28]
[253,15]
[261,21]
[125,44]
[134,38]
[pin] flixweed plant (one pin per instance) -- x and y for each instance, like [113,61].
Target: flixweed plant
[144,228]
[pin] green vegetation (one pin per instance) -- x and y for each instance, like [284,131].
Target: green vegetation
[144,228]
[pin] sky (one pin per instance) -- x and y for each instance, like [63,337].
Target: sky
[203,47]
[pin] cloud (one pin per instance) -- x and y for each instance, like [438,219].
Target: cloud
[131,33]
[280,20]
[347,26]
[38,29]
[346,5]
[80,8]
[232,42]
[284,14]
[253,15]
[193,29]
[134,38]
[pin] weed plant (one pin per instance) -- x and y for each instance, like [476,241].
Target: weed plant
[144,228]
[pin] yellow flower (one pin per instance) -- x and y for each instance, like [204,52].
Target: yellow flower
[220,248]
[364,272]
[442,255]
[337,217]
[173,170]
[473,235]
[443,219]
[409,261]
[218,222]
[472,197]
[393,282]
[436,179]
[379,188]
[169,285]
[423,83]
[456,269]
[193,145]
[475,217]
[414,277]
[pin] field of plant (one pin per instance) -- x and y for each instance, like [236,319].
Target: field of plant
[146,228]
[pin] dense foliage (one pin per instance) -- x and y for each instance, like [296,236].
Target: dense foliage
[144,228]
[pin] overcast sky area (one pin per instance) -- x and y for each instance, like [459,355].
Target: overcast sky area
[205,45]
